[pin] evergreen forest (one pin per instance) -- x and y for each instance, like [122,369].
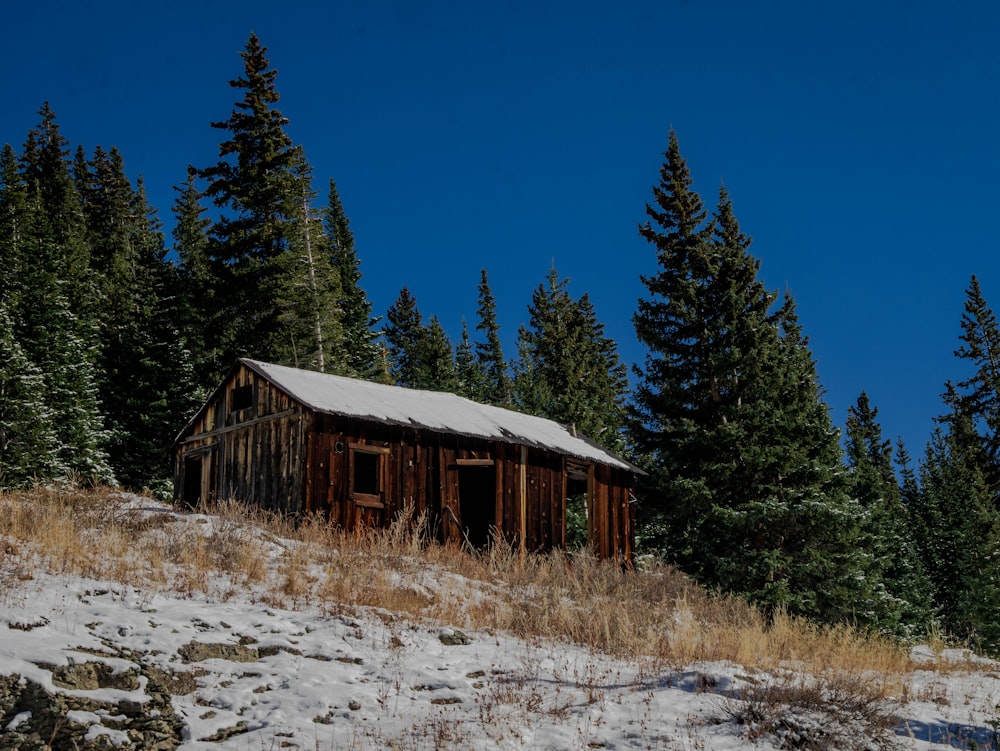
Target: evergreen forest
[112,334]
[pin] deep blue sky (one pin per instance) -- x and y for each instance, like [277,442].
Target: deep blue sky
[858,140]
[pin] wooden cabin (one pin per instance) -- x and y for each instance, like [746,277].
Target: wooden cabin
[296,441]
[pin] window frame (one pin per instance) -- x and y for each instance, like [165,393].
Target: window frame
[368,500]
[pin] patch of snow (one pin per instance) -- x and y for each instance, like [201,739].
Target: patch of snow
[19,719]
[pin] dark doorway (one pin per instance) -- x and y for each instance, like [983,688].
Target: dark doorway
[199,478]
[192,481]
[477,494]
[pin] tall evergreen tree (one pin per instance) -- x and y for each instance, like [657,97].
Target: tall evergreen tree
[309,292]
[46,171]
[468,370]
[146,378]
[29,442]
[902,593]
[404,333]
[194,292]
[257,184]
[978,396]
[960,535]
[957,504]
[436,369]
[567,369]
[56,320]
[744,462]
[13,221]
[498,388]
[358,354]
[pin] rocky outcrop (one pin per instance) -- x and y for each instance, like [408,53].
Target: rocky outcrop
[32,718]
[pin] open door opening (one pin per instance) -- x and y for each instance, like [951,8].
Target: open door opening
[198,489]
[578,513]
[192,481]
[477,492]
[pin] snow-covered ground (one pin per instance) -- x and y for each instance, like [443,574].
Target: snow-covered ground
[245,675]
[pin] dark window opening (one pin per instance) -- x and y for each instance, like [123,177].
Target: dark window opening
[241,398]
[366,473]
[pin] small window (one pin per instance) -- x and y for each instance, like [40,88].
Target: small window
[241,398]
[366,474]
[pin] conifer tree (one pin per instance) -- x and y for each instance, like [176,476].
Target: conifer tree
[901,591]
[309,291]
[978,396]
[404,334]
[567,369]
[47,175]
[194,292]
[358,354]
[146,379]
[957,504]
[256,183]
[960,535]
[13,220]
[498,388]
[29,442]
[56,319]
[436,369]
[744,463]
[468,370]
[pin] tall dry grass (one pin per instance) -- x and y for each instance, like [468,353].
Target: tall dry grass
[657,615]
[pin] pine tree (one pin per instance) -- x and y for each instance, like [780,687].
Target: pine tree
[960,535]
[567,370]
[468,370]
[13,220]
[436,368]
[668,324]
[404,333]
[902,592]
[744,463]
[146,379]
[29,442]
[46,173]
[56,319]
[194,293]
[256,184]
[978,396]
[498,388]
[309,291]
[957,505]
[358,354]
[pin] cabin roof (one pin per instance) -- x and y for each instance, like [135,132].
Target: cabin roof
[436,411]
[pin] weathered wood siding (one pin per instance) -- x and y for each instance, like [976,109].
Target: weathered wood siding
[256,439]
[405,472]
[611,515]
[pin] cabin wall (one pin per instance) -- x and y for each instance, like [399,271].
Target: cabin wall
[405,472]
[251,438]
[611,515]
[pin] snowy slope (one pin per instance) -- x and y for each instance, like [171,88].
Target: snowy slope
[250,676]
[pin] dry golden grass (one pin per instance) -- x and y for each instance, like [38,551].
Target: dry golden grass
[656,616]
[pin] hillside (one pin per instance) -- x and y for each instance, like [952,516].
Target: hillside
[128,624]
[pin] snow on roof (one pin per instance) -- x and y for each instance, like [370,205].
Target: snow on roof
[429,410]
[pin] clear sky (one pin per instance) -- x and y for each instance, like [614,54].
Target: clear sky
[858,140]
